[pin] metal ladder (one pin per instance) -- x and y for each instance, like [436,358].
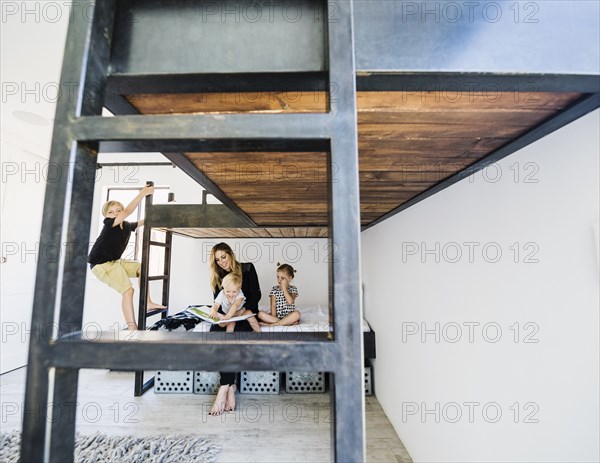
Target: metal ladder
[140,386]
[53,368]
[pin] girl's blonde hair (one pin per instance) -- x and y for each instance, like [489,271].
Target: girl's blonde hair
[108,205]
[232,279]
[217,273]
[286,268]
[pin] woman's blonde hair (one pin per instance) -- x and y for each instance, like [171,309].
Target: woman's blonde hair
[109,204]
[217,273]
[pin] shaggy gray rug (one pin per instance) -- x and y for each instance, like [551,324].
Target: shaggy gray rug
[100,448]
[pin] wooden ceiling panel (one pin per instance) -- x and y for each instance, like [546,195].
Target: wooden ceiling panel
[222,233]
[231,102]
[274,189]
[408,142]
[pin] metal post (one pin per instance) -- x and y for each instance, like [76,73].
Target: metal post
[88,72]
[347,391]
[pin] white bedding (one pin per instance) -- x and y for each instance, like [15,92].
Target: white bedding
[314,318]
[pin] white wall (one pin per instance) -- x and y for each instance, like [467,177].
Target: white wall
[31,50]
[550,374]
[307,255]
[22,201]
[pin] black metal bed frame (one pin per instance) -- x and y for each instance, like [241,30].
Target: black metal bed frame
[188,216]
[96,57]
[53,369]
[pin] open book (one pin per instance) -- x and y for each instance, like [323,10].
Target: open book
[204,315]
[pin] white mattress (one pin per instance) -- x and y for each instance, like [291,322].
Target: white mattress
[314,318]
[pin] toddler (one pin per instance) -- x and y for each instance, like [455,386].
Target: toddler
[230,303]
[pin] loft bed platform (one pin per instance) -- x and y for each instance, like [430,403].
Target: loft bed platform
[431,107]
[410,146]
[183,217]
[238,233]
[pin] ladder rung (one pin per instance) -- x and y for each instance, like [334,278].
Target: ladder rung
[204,126]
[158,277]
[158,243]
[151,313]
[155,350]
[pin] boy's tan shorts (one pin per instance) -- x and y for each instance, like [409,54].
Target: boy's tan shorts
[117,273]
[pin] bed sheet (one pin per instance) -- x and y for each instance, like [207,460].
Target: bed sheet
[313,318]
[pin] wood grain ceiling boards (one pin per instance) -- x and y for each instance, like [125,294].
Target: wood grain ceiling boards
[408,142]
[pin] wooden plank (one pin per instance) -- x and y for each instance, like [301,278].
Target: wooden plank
[506,117]
[312,101]
[284,206]
[436,131]
[422,165]
[231,102]
[275,232]
[288,232]
[465,100]
[449,144]
[300,232]
[225,233]
[402,176]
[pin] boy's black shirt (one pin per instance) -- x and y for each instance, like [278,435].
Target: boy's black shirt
[111,243]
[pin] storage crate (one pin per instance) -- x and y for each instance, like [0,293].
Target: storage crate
[173,382]
[206,382]
[368,380]
[259,382]
[305,382]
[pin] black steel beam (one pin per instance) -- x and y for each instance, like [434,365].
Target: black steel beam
[348,428]
[85,70]
[83,179]
[63,418]
[203,127]
[193,216]
[578,109]
[131,84]
[100,165]
[469,83]
[211,146]
[116,103]
[144,279]
[151,350]
[408,81]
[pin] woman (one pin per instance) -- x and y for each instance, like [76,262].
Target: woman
[223,262]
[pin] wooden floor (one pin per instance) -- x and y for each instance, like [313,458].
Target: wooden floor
[265,428]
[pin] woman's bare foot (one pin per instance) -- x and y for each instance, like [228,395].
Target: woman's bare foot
[230,404]
[220,401]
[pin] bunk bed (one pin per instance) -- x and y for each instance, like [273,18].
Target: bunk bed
[378,104]
[191,221]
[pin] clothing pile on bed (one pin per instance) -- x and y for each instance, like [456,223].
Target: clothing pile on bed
[313,318]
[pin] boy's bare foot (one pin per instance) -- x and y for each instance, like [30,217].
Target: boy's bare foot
[220,401]
[153,306]
[230,404]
